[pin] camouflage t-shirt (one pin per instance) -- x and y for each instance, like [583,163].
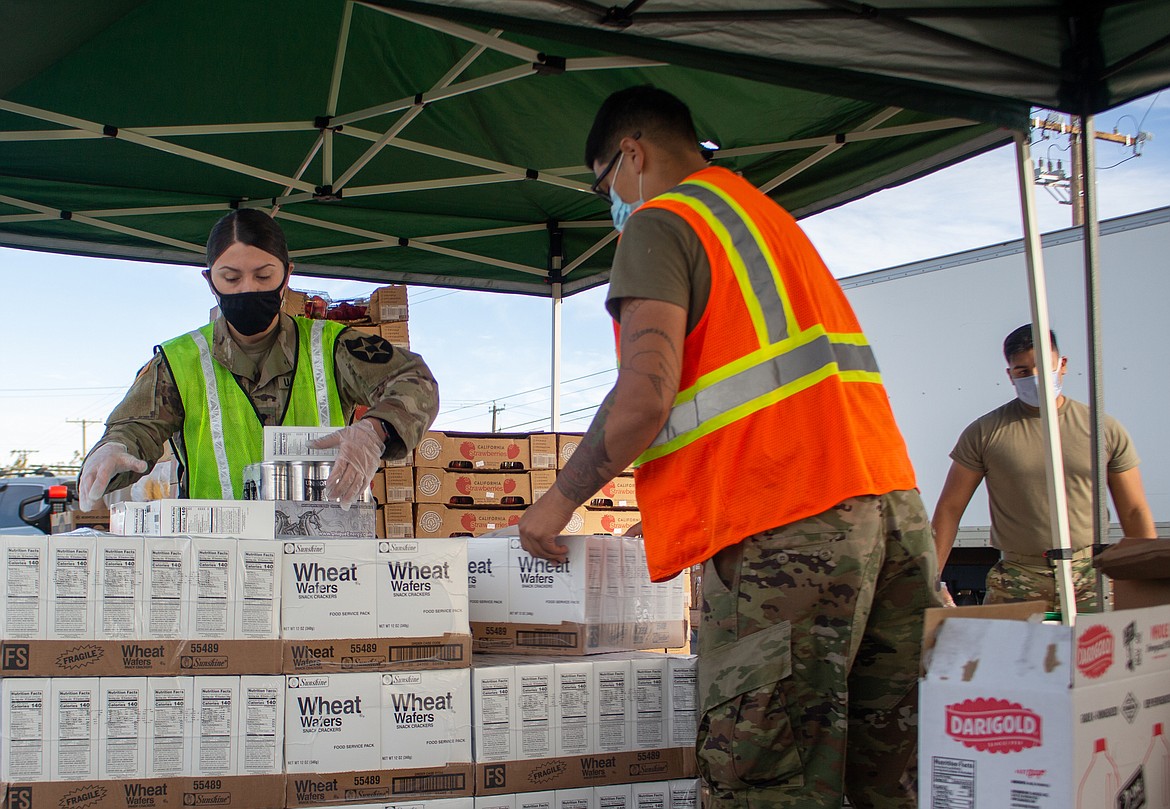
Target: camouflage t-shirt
[395,383]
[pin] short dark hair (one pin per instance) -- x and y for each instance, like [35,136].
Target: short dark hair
[250,226]
[1021,340]
[655,113]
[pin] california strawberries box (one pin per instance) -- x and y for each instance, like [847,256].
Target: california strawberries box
[1017,713]
[474,451]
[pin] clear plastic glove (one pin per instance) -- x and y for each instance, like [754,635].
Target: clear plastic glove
[103,465]
[360,448]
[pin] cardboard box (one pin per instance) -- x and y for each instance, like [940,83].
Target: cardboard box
[25,727]
[260,729]
[567,444]
[593,602]
[292,443]
[215,732]
[300,518]
[332,723]
[379,786]
[426,718]
[396,521]
[617,494]
[72,578]
[580,798]
[243,519]
[487,579]
[462,488]
[597,521]
[573,688]
[212,589]
[133,518]
[610,774]
[542,449]
[165,587]
[1140,569]
[73,724]
[294,303]
[684,793]
[397,334]
[170,726]
[121,562]
[255,792]
[422,588]
[473,451]
[329,589]
[651,795]
[1018,713]
[25,587]
[394,485]
[62,522]
[541,481]
[436,520]
[259,568]
[388,304]
[495,710]
[123,722]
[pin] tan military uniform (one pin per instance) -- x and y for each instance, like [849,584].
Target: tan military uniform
[396,385]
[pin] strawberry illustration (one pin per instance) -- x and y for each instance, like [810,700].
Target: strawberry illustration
[514,519]
[509,485]
[513,451]
[463,484]
[468,521]
[467,449]
[607,489]
[607,522]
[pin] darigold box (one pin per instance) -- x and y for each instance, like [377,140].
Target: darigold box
[1018,713]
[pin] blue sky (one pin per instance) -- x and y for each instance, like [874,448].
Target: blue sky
[76,330]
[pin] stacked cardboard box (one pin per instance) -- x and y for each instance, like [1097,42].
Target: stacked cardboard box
[385,313]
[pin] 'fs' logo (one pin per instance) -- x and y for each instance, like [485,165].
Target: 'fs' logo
[14,657]
[19,798]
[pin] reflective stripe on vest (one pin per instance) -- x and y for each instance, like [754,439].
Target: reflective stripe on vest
[221,431]
[214,415]
[788,361]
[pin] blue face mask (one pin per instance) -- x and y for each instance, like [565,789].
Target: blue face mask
[1028,388]
[619,209]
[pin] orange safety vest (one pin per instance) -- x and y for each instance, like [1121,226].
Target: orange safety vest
[781,413]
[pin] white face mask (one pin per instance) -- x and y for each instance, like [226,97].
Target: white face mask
[619,209]
[1028,388]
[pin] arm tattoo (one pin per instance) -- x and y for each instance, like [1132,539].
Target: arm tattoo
[588,470]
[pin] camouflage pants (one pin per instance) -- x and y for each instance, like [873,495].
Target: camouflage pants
[809,644]
[1014,581]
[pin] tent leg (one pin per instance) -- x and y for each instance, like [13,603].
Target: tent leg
[557,303]
[1093,330]
[1054,461]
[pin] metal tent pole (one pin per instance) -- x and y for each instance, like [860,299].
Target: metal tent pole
[1093,328]
[1054,461]
[557,303]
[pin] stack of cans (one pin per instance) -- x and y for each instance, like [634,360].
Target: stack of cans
[290,480]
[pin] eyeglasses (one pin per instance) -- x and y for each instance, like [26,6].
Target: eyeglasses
[596,187]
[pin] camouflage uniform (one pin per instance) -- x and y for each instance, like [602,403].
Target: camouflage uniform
[1013,580]
[811,635]
[395,383]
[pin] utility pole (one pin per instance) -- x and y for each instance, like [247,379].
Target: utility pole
[1075,180]
[495,411]
[83,423]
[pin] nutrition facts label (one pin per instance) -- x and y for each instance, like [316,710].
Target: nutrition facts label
[952,783]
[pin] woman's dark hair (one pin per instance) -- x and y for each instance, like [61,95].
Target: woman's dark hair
[250,226]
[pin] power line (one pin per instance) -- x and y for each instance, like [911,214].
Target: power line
[531,390]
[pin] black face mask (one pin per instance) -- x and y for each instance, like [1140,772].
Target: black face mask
[250,313]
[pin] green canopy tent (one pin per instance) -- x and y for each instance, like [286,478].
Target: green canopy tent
[440,142]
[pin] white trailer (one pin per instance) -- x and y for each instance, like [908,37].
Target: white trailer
[937,328]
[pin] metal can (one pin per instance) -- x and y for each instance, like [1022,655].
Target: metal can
[297,481]
[320,476]
[273,481]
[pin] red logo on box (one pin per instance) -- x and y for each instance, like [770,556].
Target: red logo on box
[467,450]
[468,521]
[993,725]
[1095,652]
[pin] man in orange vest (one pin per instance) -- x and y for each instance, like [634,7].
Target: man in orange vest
[767,451]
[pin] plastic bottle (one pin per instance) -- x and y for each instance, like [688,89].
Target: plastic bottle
[1156,767]
[1101,780]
